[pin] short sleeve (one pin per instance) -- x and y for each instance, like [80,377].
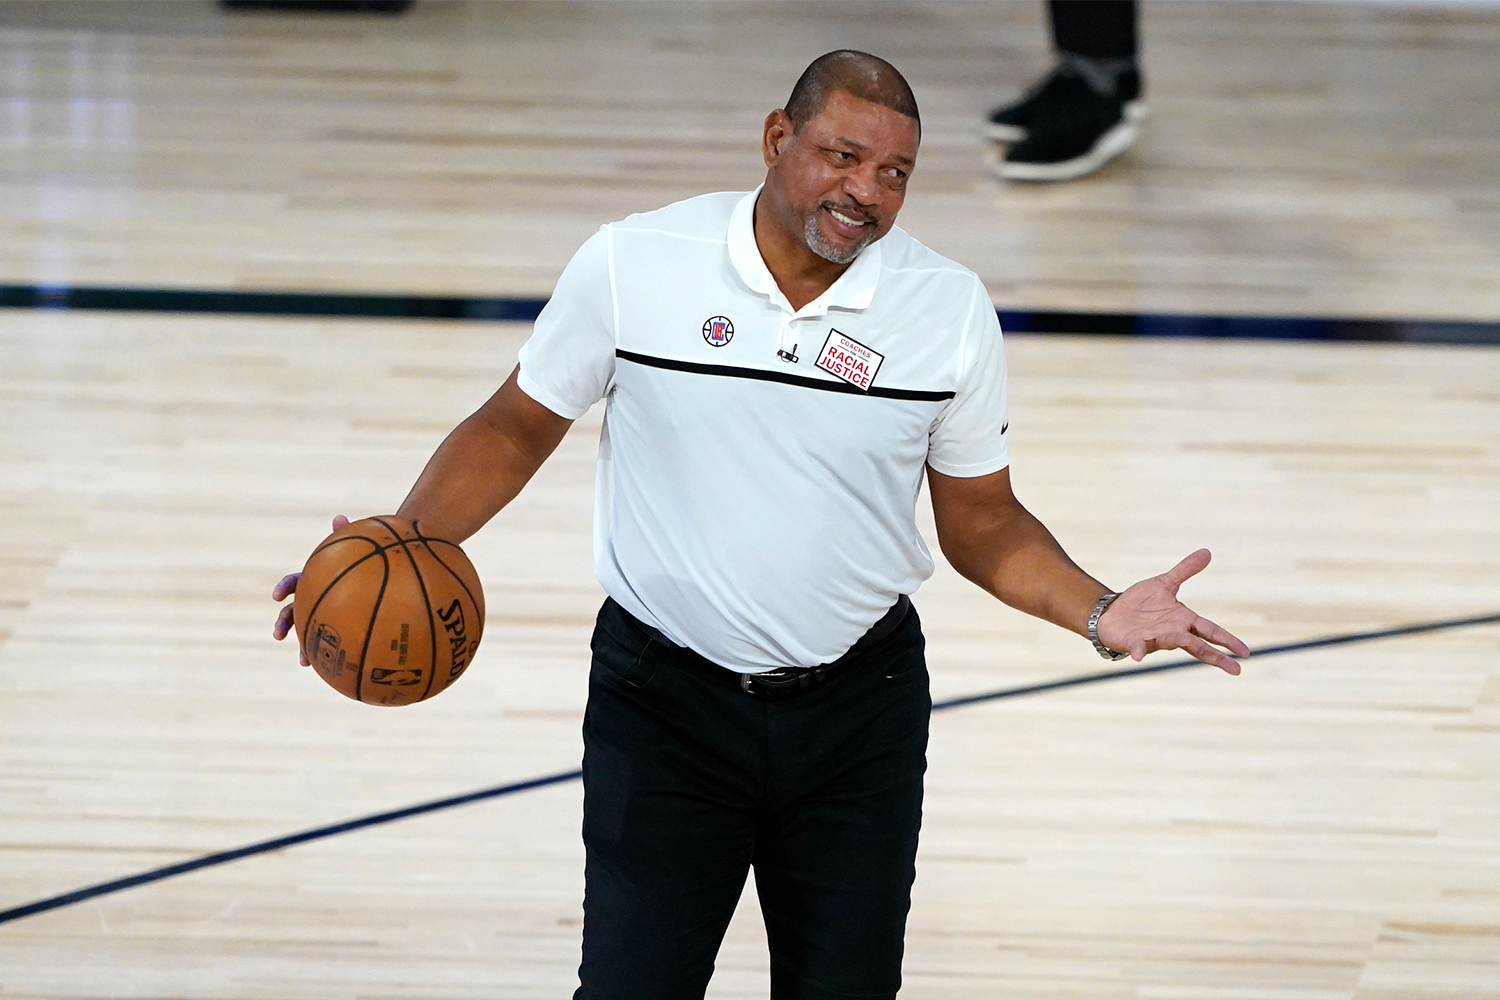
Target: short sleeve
[568,362]
[969,437]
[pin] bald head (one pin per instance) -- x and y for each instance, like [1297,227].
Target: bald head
[858,74]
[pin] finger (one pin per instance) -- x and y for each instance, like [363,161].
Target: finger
[1220,637]
[1200,650]
[301,656]
[340,522]
[286,587]
[283,623]
[1191,566]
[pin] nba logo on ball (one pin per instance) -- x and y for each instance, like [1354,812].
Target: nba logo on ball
[718,331]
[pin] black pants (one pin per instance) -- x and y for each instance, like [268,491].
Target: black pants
[1099,29]
[688,781]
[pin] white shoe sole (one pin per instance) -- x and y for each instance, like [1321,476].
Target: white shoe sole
[1003,133]
[1135,111]
[1110,145]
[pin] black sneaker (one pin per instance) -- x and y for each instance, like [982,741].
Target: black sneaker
[1074,130]
[1010,123]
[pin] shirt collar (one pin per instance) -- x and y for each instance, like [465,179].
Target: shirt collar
[854,289]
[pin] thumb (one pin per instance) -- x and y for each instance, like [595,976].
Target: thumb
[340,522]
[1190,566]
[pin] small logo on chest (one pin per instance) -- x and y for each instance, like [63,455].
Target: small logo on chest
[848,359]
[718,331]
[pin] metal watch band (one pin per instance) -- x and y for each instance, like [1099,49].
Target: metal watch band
[1099,606]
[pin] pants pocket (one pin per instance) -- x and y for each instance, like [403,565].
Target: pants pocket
[622,649]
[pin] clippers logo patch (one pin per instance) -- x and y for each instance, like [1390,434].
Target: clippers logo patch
[718,331]
[850,360]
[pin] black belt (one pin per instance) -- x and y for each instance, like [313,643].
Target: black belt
[789,682]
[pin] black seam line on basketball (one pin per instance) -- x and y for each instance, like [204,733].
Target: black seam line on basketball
[347,538]
[761,374]
[312,612]
[380,550]
[464,586]
[348,826]
[364,652]
[427,600]
[477,604]
[427,540]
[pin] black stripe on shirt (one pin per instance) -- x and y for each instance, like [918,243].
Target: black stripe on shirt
[729,371]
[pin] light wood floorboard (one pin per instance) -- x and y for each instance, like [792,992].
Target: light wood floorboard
[1324,828]
[1329,159]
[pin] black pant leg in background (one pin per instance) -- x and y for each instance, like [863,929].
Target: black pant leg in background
[1099,29]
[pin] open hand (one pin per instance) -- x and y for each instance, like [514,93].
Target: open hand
[1148,616]
[288,587]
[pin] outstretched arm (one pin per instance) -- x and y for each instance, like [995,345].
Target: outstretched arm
[477,470]
[483,463]
[995,542]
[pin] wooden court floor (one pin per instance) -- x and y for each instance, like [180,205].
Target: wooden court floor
[1302,158]
[1326,826]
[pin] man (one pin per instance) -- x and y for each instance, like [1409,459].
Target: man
[781,367]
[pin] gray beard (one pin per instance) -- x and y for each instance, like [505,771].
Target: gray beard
[829,252]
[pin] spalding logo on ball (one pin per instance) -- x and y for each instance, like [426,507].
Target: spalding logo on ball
[387,614]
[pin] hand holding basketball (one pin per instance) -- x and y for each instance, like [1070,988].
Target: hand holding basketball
[286,588]
[386,614]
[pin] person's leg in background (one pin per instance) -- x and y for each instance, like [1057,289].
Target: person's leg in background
[1088,109]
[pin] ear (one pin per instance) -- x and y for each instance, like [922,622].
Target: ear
[773,140]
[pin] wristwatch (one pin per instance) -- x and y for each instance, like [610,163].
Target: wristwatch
[1099,606]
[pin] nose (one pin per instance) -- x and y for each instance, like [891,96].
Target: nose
[862,185]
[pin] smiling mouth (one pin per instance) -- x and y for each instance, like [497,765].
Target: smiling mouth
[848,220]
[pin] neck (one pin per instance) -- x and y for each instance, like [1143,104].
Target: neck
[800,274]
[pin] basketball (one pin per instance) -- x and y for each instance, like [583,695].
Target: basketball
[387,614]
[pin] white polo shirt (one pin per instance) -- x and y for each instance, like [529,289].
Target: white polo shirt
[759,466]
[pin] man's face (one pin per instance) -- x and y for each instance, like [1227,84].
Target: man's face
[841,179]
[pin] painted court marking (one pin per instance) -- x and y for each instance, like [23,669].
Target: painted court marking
[1413,330]
[375,819]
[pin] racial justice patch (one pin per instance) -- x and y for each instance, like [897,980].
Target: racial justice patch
[848,359]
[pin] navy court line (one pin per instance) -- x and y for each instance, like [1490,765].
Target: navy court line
[270,303]
[317,833]
[1157,668]
[479,307]
[375,819]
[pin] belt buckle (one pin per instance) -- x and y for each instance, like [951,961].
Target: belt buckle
[746,679]
[781,683]
[769,676]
